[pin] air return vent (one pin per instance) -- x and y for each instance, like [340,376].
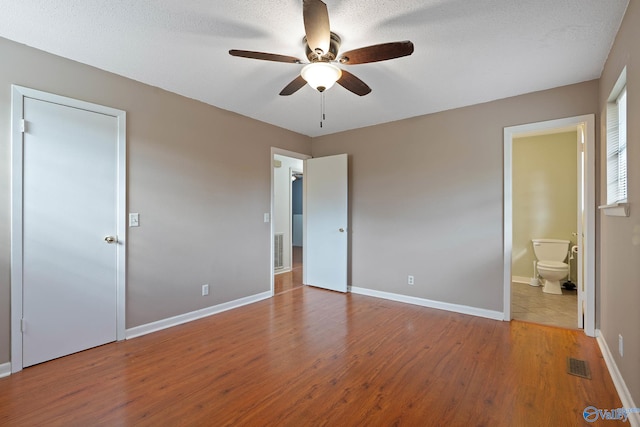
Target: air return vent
[579,368]
[278,249]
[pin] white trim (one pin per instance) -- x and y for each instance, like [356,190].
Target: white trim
[507,225]
[618,86]
[456,308]
[5,369]
[18,93]
[588,122]
[194,315]
[121,255]
[290,210]
[615,209]
[522,279]
[618,381]
[286,153]
[581,157]
[17,102]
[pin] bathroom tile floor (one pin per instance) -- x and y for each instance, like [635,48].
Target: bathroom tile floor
[530,304]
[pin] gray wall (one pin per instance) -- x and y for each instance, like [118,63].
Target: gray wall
[426,196]
[619,273]
[199,177]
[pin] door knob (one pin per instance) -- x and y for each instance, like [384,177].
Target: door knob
[341,230]
[110,239]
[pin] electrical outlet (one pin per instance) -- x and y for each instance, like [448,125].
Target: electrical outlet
[205,290]
[410,280]
[620,345]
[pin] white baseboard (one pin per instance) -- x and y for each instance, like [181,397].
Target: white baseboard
[194,315]
[282,270]
[456,308]
[618,381]
[521,279]
[5,369]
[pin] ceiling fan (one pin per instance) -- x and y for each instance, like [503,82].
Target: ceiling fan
[322,47]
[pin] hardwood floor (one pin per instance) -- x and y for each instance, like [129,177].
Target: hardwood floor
[310,357]
[291,279]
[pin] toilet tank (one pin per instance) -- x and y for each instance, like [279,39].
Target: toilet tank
[550,249]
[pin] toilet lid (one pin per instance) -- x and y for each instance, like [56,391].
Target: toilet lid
[552,264]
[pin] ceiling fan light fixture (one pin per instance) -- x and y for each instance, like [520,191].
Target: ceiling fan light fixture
[321,75]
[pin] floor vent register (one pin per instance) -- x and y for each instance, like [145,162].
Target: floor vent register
[577,367]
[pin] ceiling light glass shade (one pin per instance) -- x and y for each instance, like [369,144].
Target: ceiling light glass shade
[321,75]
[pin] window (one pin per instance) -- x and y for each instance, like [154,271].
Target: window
[617,143]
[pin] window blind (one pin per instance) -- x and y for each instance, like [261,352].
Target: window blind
[617,148]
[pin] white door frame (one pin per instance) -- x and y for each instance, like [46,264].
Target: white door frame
[18,94]
[586,241]
[287,153]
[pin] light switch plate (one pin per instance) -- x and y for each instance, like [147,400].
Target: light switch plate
[134,220]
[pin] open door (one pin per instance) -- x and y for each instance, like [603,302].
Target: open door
[325,230]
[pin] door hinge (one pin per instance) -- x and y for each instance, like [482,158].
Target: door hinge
[23,125]
[22,326]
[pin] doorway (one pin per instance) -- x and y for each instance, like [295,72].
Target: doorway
[68,232]
[545,191]
[297,183]
[287,220]
[325,219]
[584,127]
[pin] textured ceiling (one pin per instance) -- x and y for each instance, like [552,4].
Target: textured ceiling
[466,51]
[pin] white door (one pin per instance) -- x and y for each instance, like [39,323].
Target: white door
[325,216]
[69,281]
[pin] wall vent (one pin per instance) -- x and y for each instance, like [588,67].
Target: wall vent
[278,251]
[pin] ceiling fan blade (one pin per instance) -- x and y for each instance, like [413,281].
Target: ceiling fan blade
[353,84]
[378,52]
[264,56]
[316,25]
[294,86]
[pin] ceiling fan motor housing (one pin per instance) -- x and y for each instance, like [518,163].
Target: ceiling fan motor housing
[334,46]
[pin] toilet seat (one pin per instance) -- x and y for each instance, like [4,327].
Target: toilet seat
[553,265]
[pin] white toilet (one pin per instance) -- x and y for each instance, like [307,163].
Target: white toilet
[550,254]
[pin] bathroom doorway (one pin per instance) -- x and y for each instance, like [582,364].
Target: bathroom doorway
[536,206]
[544,194]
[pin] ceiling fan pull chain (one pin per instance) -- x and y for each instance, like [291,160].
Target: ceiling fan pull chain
[324,107]
[321,108]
